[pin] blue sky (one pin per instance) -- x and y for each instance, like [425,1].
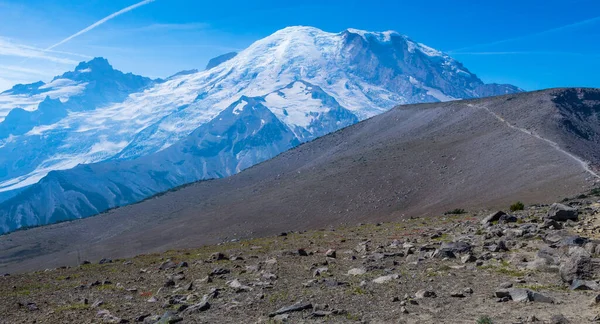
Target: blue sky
[532,44]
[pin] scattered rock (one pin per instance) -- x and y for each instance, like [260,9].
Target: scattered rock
[219,271]
[357,272]
[425,294]
[558,319]
[169,318]
[320,271]
[169,283]
[217,256]
[293,308]
[167,265]
[523,295]
[331,253]
[578,284]
[469,258]
[494,217]
[384,279]
[198,308]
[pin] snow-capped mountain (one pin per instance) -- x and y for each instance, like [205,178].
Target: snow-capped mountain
[44,125]
[310,81]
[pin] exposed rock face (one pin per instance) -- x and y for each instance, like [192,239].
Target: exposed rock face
[579,264]
[562,213]
[220,60]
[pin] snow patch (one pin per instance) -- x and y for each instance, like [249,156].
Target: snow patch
[295,106]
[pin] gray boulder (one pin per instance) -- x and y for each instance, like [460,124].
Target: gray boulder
[494,217]
[562,213]
[578,264]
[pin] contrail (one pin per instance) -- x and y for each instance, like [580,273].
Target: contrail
[548,31]
[100,22]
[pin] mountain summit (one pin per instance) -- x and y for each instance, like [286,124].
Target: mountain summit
[301,83]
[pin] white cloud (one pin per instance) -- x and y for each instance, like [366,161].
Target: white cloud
[11,48]
[22,70]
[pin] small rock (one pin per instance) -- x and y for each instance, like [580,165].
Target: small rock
[331,253]
[32,307]
[169,283]
[492,218]
[219,271]
[458,247]
[425,294]
[357,272]
[293,308]
[217,256]
[104,261]
[320,271]
[558,319]
[167,265]
[384,279]
[198,308]
[506,285]
[302,252]
[169,318]
[523,295]
[578,284]
[468,258]
[282,318]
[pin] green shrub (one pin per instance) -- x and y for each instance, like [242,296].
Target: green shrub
[456,211]
[484,320]
[517,206]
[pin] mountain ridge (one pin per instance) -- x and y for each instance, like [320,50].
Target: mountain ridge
[364,73]
[414,160]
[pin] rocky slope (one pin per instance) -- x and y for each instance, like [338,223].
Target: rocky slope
[537,263]
[411,161]
[364,73]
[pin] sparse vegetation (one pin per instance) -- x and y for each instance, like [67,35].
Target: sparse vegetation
[484,320]
[73,307]
[290,280]
[456,211]
[517,206]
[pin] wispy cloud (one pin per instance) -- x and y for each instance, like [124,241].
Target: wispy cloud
[541,33]
[22,70]
[100,22]
[10,48]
